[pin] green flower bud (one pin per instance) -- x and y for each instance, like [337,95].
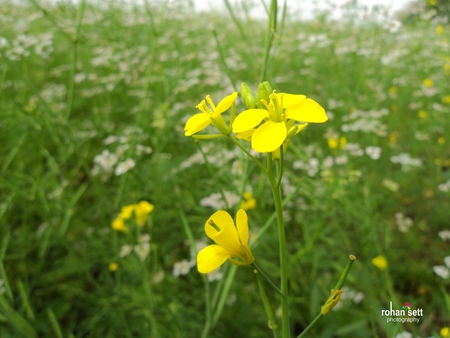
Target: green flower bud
[264,91]
[247,96]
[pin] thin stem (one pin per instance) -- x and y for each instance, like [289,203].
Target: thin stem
[247,152]
[272,323]
[276,191]
[271,30]
[267,279]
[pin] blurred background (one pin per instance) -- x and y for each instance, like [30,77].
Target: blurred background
[94,96]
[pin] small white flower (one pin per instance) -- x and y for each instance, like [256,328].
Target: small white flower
[373,152]
[447,261]
[441,271]
[142,250]
[124,166]
[444,187]
[444,234]
[181,268]
[403,223]
[125,250]
[404,334]
[215,275]
[340,160]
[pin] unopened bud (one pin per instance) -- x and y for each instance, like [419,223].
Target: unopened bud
[247,96]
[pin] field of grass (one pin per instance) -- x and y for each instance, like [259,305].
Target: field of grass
[93,101]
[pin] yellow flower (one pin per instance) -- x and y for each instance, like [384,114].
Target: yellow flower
[440,30]
[423,114]
[428,82]
[119,225]
[249,202]
[231,242]
[333,143]
[113,266]
[278,120]
[380,262]
[208,115]
[445,332]
[140,211]
[393,90]
[446,99]
[441,140]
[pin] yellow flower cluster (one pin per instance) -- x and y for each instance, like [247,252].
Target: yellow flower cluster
[270,121]
[140,212]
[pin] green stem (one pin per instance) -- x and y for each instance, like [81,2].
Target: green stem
[247,152]
[276,191]
[267,278]
[269,37]
[272,323]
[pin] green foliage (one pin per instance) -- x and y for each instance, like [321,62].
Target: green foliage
[93,100]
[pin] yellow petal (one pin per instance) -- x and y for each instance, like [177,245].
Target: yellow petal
[210,258]
[196,123]
[242,226]
[249,119]
[127,211]
[145,207]
[119,225]
[227,237]
[290,100]
[246,135]
[307,110]
[269,137]
[226,103]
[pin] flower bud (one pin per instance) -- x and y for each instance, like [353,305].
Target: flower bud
[264,91]
[247,96]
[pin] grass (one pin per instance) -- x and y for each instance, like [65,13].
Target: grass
[79,80]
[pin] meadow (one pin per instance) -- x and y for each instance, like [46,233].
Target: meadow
[94,97]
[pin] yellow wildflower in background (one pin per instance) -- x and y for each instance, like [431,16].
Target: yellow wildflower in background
[231,242]
[334,143]
[423,114]
[208,115]
[445,332]
[446,99]
[440,30]
[428,82]
[249,202]
[140,211]
[278,120]
[113,267]
[441,140]
[393,90]
[380,262]
[119,225]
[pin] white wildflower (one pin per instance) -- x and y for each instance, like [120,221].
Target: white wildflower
[181,268]
[125,250]
[124,166]
[441,271]
[445,234]
[373,152]
[403,223]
